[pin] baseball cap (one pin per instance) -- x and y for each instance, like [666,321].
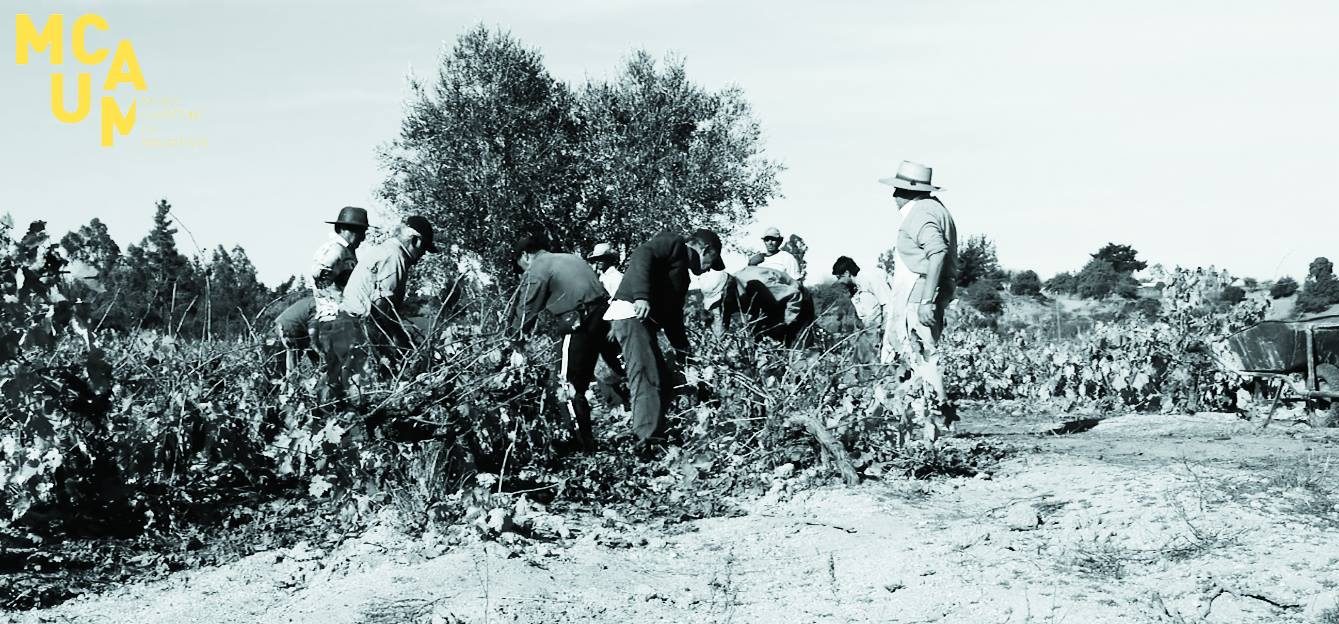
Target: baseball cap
[424,229]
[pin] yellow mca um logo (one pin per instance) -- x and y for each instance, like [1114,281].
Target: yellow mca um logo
[123,69]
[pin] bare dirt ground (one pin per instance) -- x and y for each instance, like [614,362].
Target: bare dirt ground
[1132,519]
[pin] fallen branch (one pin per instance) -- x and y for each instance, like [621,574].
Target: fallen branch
[834,448]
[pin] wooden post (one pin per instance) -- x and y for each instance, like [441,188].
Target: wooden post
[1311,384]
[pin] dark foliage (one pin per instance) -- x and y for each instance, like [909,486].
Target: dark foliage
[1232,295]
[1284,287]
[977,261]
[1122,258]
[494,146]
[1062,284]
[984,295]
[1025,283]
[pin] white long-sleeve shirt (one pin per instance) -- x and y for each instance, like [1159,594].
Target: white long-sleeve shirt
[610,279]
[872,298]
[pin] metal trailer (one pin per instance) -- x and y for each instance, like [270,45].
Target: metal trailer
[1301,356]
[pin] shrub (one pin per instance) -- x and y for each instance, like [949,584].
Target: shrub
[1285,287]
[1320,268]
[1097,280]
[1026,283]
[1322,287]
[1232,295]
[977,261]
[984,295]
[1122,258]
[1063,283]
[1318,296]
[1100,279]
[1150,308]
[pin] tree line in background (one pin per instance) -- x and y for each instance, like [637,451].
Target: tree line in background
[152,285]
[1109,273]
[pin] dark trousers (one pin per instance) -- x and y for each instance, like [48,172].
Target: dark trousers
[579,351]
[785,320]
[348,342]
[648,374]
[387,338]
[339,341]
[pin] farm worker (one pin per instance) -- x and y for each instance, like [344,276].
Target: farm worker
[924,280]
[774,304]
[564,285]
[369,312]
[649,300]
[329,272]
[872,297]
[605,262]
[774,257]
[296,330]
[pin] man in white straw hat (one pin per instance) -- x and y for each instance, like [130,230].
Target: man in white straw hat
[923,282]
[605,262]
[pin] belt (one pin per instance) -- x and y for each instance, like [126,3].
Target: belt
[587,307]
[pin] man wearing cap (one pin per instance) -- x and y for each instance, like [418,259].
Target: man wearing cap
[329,273]
[774,257]
[650,299]
[563,285]
[370,309]
[604,260]
[924,280]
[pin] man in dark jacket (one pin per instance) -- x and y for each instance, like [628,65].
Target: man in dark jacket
[650,299]
[564,285]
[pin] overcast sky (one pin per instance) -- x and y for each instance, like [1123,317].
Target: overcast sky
[1201,132]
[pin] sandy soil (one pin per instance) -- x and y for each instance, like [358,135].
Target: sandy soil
[1137,519]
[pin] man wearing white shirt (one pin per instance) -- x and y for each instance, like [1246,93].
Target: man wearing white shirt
[604,260]
[776,258]
[872,297]
[330,270]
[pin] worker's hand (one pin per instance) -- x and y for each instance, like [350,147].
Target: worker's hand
[642,308]
[926,314]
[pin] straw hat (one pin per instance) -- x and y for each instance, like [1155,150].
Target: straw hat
[603,251]
[911,177]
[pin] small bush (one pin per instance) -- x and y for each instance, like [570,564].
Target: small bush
[1232,295]
[984,295]
[1063,283]
[1148,308]
[1026,283]
[1319,294]
[1285,287]
[1097,280]
[977,261]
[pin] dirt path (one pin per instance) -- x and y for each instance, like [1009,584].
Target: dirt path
[1138,519]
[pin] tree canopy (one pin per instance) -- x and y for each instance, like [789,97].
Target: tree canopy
[494,147]
[977,261]
[1122,258]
